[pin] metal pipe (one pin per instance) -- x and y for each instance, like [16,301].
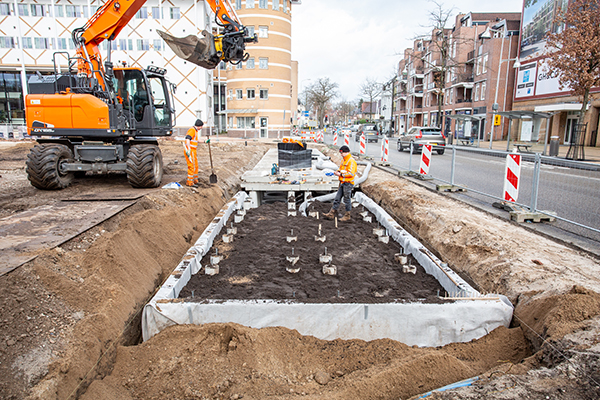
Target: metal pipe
[453,165]
[535,183]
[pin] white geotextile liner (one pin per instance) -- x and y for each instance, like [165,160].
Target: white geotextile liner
[410,323]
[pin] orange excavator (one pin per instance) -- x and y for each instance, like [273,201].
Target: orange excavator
[98,118]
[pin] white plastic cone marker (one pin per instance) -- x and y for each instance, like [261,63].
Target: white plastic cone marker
[401,258]
[363,146]
[329,269]
[512,172]
[425,159]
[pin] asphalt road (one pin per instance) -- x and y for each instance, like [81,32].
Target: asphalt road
[571,193]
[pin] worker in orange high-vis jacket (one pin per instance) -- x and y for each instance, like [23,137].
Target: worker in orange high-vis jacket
[346,174]
[190,146]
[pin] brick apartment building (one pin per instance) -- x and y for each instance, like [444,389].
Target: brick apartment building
[481,49]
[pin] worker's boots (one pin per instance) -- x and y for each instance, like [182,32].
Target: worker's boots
[346,217]
[330,214]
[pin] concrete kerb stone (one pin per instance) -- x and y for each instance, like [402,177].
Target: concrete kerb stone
[411,323]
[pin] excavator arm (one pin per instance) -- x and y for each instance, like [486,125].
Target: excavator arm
[110,19]
[208,51]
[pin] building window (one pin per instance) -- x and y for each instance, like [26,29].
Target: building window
[175,13]
[263,4]
[59,11]
[483,91]
[62,44]
[239,94]
[263,31]
[246,122]
[238,65]
[122,44]
[276,5]
[250,3]
[7,42]
[26,43]
[142,13]
[484,66]
[41,43]
[23,10]
[230,94]
[263,63]
[157,13]
[143,44]
[238,4]
[250,94]
[479,66]
[250,30]
[263,94]
[86,13]
[4,9]
[157,44]
[73,11]
[477,92]
[250,63]
[38,10]
[285,6]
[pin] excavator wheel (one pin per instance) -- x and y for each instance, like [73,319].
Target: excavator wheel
[44,166]
[144,166]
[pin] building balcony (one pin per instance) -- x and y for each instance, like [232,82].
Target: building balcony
[459,101]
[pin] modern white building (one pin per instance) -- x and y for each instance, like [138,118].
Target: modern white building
[32,31]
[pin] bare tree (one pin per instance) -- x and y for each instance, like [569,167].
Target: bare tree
[320,95]
[577,49]
[343,109]
[371,89]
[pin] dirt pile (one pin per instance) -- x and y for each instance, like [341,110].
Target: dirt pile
[70,317]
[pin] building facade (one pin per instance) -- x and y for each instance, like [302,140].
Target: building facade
[475,73]
[32,31]
[538,88]
[261,98]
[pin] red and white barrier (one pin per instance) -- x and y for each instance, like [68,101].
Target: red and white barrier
[512,172]
[385,148]
[425,159]
[347,140]
[363,145]
[296,130]
[320,137]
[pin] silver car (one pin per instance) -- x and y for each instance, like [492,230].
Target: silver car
[422,135]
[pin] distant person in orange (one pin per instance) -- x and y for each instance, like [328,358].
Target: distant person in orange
[345,174]
[190,145]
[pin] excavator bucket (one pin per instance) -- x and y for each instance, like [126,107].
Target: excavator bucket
[197,50]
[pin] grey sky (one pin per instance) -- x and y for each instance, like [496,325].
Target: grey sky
[350,40]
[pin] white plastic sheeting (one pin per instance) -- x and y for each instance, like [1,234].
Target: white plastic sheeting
[410,323]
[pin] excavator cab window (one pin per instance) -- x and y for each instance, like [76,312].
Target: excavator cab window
[132,89]
[162,112]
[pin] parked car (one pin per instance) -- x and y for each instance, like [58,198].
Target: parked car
[344,130]
[370,131]
[422,135]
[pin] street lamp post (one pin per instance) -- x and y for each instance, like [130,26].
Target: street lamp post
[305,95]
[487,35]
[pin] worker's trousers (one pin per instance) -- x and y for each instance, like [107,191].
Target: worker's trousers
[192,164]
[345,192]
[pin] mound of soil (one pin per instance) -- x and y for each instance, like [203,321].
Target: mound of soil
[254,263]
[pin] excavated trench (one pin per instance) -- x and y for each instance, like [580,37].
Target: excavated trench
[277,362]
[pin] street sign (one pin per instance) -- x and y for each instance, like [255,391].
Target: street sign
[497,120]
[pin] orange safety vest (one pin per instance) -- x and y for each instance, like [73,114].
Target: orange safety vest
[348,169]
[193,134]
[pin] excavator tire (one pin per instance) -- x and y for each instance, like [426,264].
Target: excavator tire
[43,166]
[144,166]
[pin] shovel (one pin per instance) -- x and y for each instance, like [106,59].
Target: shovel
[212,178]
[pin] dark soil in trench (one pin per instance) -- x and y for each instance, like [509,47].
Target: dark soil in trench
[254,263]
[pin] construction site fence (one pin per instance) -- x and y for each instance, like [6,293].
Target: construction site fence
[551,186]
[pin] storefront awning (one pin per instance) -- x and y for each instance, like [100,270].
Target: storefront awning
[465,117]
[239,111]
[524,114]
[558,107]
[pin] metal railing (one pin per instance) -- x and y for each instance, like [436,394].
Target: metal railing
[555,187]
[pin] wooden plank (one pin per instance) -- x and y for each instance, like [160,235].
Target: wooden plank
[26,234]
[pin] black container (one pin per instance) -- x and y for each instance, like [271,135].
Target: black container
[294,159]
[290,146]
